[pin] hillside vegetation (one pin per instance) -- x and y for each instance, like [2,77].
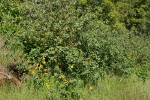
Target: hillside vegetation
[74,49]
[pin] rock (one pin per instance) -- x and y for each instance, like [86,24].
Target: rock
[7,78]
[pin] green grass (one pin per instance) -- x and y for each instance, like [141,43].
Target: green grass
[110,88]
[113,88]
[23,93]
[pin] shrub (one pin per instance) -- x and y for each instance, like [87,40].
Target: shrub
[63,39]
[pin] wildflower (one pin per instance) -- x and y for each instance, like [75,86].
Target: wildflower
[72,67]
[62,76]
[40,67]
[90,88]
[43,60]
[33,72]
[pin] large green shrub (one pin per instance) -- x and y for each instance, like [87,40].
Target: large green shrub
[54,42]
[64,39]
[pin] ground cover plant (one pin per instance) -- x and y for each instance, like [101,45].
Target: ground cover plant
[65,47]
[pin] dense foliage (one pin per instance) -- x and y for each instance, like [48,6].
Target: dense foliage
[122,14]
[75,43]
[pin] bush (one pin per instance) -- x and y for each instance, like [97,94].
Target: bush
[63,39]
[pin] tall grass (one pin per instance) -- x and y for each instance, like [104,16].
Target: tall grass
[23,93]
[113,88]
[110,88]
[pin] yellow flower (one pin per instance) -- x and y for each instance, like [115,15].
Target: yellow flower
[33,72]
[72,66]
[40,67]
[62,76]
[43,60]
[90,88]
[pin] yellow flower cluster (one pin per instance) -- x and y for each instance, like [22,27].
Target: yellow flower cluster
[47,70]
[43,59]
[33,72]
[33,69]
[63,78]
